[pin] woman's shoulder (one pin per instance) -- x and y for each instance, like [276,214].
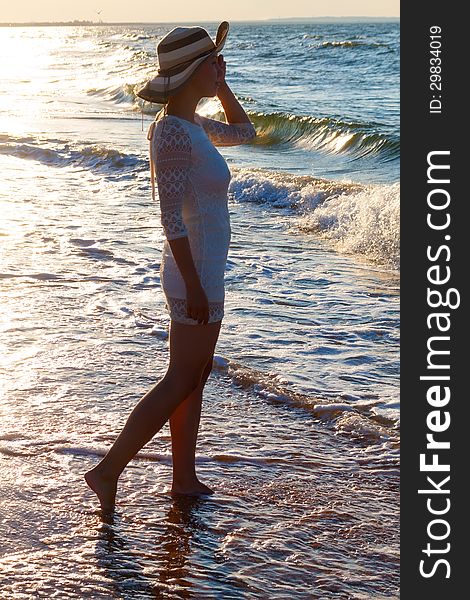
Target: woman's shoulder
[171,133]
[170,124]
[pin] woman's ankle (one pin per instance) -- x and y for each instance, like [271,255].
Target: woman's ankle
[106,472]
[185,480]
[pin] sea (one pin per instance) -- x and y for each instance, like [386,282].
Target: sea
[299,434]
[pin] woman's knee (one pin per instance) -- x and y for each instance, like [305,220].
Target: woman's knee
[186,380]
[191,353]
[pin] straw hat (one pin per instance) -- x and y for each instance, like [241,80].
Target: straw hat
[180,52]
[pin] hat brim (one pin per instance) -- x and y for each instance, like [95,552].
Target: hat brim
[160,87]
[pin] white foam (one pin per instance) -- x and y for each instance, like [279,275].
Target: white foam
[157,331]
[220,361]
[365,222]
[332,407]
[354,218]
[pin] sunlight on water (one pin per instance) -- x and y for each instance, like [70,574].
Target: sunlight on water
[25,59]
[299,433]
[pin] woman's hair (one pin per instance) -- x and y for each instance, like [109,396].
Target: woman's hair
[162,112]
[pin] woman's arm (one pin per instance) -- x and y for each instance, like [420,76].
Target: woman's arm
[234,112]
[226,134]
[238,128]
[196,297]
[182,254]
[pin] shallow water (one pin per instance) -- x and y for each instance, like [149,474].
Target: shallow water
[300,432]
[296,505]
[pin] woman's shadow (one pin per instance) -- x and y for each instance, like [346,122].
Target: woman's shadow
[169,560]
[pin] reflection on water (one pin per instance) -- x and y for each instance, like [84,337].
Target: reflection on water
[172,574]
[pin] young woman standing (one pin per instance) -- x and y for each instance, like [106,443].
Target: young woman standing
[192,179]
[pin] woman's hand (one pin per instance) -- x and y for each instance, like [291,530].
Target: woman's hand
[222,69]
[198,305]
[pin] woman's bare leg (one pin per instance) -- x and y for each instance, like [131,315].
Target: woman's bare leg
[191,346]
[184,426]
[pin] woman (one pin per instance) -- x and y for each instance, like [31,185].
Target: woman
[192,179]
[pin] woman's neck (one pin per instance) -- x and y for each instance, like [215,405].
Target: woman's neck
[184,110]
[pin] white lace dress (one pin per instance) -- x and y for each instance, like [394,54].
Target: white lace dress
[192,180]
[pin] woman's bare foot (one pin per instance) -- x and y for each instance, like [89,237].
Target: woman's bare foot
[194,488]
[104,487]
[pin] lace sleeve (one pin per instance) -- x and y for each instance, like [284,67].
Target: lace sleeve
[171,159]
[226,134]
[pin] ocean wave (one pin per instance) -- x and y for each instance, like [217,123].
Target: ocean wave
[354,218]
[350,44]
[327,134]
[139,36]
[359,418]
[365,222]
[117,94]
[92,157]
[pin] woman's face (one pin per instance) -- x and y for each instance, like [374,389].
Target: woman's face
[207,76]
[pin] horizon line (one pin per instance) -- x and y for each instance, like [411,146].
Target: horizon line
[89,22]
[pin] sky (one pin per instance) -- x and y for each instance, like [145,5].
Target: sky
[191,12]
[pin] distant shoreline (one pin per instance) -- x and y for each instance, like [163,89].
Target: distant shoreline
[285,20]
